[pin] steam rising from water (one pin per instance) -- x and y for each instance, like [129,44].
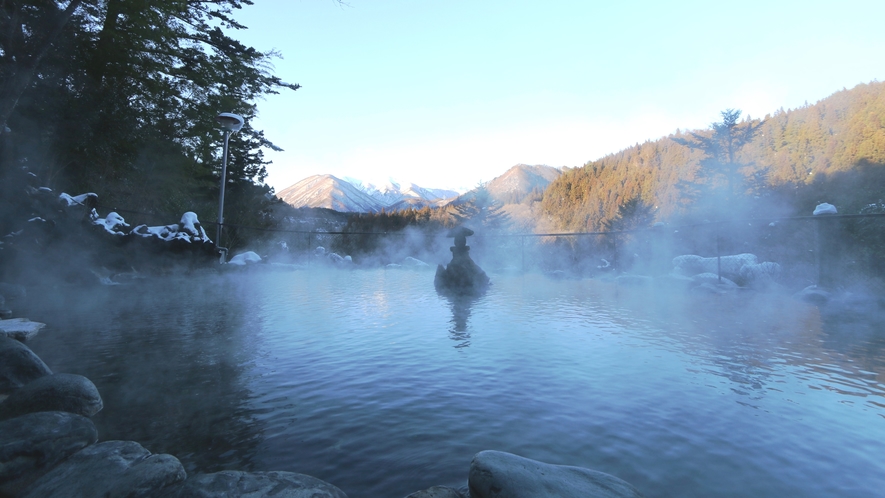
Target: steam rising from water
[338,374]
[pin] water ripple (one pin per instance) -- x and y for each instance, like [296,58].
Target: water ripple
[370,380]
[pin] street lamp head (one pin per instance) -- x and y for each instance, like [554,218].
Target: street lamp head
[230,122]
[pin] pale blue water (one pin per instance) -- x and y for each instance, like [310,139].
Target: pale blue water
[371,381]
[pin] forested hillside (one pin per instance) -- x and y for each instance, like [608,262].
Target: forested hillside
[795,158]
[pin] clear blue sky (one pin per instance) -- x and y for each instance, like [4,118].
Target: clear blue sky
[448,93]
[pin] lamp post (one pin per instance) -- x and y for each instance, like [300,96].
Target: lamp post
[230,123]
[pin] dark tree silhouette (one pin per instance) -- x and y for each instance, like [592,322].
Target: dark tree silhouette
[480,210]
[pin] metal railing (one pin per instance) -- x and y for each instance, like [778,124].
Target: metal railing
[816,249]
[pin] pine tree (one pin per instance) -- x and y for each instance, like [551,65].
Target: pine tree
[481,211]
[721,148]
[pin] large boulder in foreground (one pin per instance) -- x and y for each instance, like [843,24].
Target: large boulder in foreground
[495,474]
[235,484]
[59,392]
[18,365]
[436,492]
[31,445]
[110,469]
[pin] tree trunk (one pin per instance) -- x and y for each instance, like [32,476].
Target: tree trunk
[105,45]
[21,77]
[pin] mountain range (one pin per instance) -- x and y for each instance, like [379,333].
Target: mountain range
[353,196]
[331,192]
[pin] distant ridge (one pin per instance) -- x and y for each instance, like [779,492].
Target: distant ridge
[520,180]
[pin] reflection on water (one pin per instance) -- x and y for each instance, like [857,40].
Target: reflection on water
[352,377]
[460,306]
[172,371]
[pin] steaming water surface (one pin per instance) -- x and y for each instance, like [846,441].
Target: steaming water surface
[371,381]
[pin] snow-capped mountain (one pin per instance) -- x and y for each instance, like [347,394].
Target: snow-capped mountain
[327,191]
[393,193]
[351,195]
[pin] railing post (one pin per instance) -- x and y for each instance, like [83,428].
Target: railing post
[826,240]
[826,253]
[615,256]
[522,249]
[718,255]
[308,249]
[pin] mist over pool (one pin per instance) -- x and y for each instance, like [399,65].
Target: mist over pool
[370,380]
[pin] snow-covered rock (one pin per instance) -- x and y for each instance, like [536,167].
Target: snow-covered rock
[245,258]
[20,328]
[764,273]
[824,208]
[112,223]
[191,225]
[187,230]
[411,262]
[89,199]
[338,259]
[691,265]
[164,232]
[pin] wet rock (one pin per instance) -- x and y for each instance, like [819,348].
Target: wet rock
[437,492]
[18,365]
[462,276]
[713,279]
[110,469]
[814,294]
[503,475]
[235,484]
[31,445]
[20,328]
[59,392]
